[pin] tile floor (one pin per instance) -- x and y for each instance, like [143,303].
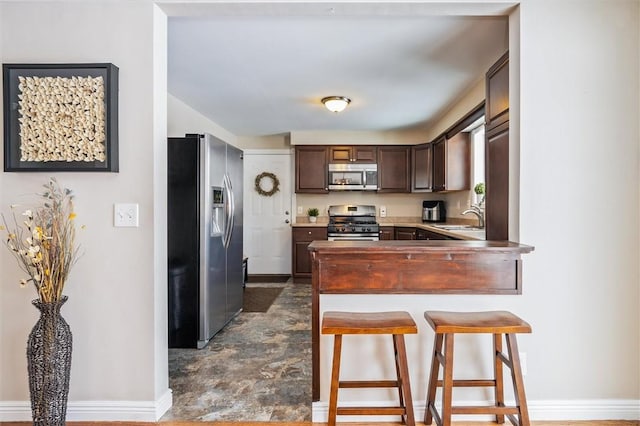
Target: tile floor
[258,368]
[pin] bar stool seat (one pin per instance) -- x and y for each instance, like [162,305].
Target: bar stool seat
[397,323]
[497,323]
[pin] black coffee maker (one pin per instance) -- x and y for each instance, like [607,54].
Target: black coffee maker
[434,211]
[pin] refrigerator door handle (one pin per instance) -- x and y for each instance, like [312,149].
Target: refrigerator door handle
[230,210]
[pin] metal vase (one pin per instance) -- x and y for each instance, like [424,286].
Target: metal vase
[49,364]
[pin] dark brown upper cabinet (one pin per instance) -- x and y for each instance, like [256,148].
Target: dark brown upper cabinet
[497,183]
[497,151]
[451,163]
[422,167]
[394,168]
[353,154]
[311,169]
[497,93]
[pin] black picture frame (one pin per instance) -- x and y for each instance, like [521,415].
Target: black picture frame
[12,138]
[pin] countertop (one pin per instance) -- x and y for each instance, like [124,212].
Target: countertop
[429,246]
[471,235]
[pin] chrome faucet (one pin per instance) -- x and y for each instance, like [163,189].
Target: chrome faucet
[478,211]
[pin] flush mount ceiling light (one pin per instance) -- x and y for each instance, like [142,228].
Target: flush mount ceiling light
[336,103]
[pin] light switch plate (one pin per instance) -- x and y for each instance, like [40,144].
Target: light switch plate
[125,215]
[299,210]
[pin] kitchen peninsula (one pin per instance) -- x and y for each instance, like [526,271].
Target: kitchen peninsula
[410,267]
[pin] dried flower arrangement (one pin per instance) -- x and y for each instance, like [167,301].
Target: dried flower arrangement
[44,244]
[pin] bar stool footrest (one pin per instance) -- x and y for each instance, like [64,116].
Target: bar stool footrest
[484,409]
[475,383]
[371,411]
[368,384]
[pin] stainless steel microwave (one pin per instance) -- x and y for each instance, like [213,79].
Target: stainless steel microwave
[353,177]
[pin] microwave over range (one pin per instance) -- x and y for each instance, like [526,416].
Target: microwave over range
[353,177]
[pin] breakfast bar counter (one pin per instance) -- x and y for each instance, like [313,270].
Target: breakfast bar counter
[410,267]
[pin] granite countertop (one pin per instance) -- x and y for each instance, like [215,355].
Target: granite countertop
[410,222]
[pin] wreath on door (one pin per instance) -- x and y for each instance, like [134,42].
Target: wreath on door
[275,184]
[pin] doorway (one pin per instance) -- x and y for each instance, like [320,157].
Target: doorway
[267,215]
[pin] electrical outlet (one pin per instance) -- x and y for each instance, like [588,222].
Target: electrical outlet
[523,362]
[383,211]
[125,215]
[300,210]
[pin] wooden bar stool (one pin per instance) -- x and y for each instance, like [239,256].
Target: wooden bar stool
[446,325]
[395,323]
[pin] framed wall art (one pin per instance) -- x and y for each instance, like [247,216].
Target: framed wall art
[60,117]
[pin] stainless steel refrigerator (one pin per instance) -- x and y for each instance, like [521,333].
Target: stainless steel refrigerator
[204,238]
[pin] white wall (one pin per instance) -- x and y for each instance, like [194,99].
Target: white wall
[118,288]
[183,119]
[580,136]
[326,137]
[459,108]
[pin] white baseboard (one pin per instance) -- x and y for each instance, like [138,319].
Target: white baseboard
[549,410]
[135,411]
[152,411]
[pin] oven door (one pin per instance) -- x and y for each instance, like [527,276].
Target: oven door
[354,237]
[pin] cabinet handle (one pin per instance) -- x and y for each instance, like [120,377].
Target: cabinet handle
[309,232]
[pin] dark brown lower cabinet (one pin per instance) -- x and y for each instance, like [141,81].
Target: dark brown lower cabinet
[386,233]
[301,259]
[405,233]
[423,234]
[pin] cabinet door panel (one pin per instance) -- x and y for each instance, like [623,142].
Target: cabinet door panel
[497,189]
[497,93]
[302,259]
[422,160]
[311,169]
[458,162]
[393,169]
[340,154]
[386,233]
[403,233]
[365,154]
[301,238]
[439,164]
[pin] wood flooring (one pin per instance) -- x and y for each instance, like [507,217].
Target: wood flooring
[540,423]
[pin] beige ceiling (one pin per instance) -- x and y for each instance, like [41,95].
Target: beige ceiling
[263,72]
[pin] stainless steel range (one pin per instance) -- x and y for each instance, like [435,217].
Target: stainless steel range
[353,223]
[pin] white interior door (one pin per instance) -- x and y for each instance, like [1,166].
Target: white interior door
[267,219]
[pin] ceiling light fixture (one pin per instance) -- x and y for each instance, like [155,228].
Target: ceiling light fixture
[336,103]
